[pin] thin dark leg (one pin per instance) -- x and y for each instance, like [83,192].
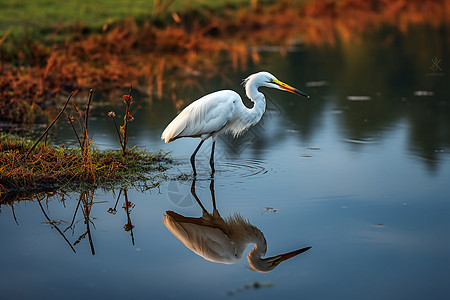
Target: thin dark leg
[196,197]
[211,160]
[213,194]
[193,157]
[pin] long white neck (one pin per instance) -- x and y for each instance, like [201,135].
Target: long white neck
[244,234]
[247,117]
[259,102]
[259,250]
[254,258]
[252,235]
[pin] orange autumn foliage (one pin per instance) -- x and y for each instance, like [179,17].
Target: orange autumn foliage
[146,54]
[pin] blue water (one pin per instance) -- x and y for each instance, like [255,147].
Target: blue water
[360,172]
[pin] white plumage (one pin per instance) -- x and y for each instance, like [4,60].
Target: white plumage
[223,112]
[223,240]
[203,118]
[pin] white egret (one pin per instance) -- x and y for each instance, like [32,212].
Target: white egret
[224,112]
[223,241]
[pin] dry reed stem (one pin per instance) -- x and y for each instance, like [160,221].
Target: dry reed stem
[56,227]
[86,115]
[128,99]
[49,126]
[69,118]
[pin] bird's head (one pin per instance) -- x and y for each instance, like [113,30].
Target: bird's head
[264,265]
[268,80]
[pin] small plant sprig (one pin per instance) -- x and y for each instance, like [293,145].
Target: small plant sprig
[84,140]
[122,133]
[85,143]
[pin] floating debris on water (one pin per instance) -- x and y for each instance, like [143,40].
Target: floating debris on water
[358,98]
[423,93]
[269,210]
[360,141]
[54,222]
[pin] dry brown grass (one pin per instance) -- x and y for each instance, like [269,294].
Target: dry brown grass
[147,55]
[48,167]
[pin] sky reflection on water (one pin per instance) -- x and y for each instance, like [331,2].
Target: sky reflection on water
[362,180]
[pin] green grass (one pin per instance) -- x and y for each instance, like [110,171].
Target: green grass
[16,14]
[34,16]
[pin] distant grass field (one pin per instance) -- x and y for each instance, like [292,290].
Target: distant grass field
[32,16]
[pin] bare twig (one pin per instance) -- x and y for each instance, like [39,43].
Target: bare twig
[74,215]
[49,126]
[69,118]
[87,205]
[118,131]
[86,115]
[114,210]
[14,214]
[56,227]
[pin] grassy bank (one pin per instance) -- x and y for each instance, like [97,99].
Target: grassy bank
[33,166]
[49,167]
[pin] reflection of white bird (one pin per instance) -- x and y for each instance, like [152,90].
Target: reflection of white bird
[223,241]
[223,112]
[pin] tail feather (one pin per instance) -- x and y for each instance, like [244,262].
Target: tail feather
[175,128]
[165,137]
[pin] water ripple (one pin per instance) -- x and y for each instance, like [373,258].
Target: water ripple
[236,168]
[244,168]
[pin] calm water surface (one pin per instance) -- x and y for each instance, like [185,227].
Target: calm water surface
[360,172]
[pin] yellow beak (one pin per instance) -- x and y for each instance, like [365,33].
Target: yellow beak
[288,88]
[282,257]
